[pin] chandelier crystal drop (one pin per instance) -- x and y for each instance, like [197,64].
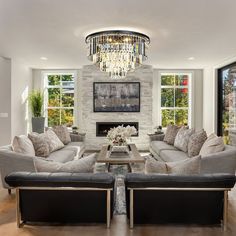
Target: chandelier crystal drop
[117,52]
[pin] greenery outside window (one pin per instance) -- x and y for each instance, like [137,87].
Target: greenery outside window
[176,99]
[60,98]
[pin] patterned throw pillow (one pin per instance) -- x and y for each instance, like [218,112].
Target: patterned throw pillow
[62,133]
[213,144]
[41,144]
[182,138]
[195,142]
[189,166]
[83,165]
[23,144]
[171,133]
[154,166]
[54,142]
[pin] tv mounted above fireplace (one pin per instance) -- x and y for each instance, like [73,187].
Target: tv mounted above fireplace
[116,96]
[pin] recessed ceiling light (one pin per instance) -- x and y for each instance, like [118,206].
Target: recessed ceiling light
[191,58]
[44,58]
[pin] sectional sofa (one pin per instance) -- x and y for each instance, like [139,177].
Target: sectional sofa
[220,162]
[11,161]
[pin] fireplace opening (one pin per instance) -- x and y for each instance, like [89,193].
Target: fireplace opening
[102,128]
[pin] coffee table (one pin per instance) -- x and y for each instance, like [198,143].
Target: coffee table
[120,158]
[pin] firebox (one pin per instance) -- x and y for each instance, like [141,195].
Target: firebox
[103,127]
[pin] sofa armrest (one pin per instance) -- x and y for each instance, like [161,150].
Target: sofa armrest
[77,137]
[133,180]
[220,162]
[11,162]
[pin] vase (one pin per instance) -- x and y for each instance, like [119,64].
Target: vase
[38,124]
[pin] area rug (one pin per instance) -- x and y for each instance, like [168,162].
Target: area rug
[119,172]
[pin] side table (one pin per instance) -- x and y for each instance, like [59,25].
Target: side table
[156,136]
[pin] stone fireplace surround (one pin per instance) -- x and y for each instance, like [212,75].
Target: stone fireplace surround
[89,118]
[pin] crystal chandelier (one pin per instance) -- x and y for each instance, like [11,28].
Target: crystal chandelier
[117,52]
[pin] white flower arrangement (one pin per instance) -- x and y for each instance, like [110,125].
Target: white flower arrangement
[119,136]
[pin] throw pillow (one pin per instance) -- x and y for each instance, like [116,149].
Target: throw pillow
[213,144]
[62,133]
[195,142]
[186,167]
[41,144]
[23,144]
[154,166]
[83,165]
[171,133]
[53,141]
[182,138]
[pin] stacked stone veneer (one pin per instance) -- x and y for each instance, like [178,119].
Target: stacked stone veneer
[90,74]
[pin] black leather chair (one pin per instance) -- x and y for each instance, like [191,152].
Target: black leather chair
[63,197]
[162,198]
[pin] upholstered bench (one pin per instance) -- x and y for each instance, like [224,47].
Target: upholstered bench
[163,198]
[62,197]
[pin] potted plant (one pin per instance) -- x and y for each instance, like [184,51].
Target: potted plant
[36,107]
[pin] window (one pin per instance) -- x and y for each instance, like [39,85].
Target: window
[175,99]
[226,117]
[59,98]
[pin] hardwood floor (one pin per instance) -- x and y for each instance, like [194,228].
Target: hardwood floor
[119,226]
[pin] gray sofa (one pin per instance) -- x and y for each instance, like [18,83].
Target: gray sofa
[11,161]
[220,162]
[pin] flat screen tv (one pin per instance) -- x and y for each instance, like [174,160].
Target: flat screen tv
[116,96]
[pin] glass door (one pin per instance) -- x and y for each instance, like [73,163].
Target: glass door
[227,103]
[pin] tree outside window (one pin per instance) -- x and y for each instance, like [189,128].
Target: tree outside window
[175,94]
[60,99]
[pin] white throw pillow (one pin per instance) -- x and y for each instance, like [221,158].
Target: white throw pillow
[182,138]
[83,165]
[213,144]
[188,166]
[53,141]
[185,167]
[23,144]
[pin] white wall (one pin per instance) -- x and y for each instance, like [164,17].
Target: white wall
[209,100]
[5,101]
[21,84]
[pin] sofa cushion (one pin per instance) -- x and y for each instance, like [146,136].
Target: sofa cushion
[62,155]
[182,138]
[172,155]
[76,147]
[195,143]
[54,142]
[171,133]
[23,144]
[32,179]
[62,133]
[186,167]
[213,144]
[134,180]
[41,144]
[159,146]
[83,165]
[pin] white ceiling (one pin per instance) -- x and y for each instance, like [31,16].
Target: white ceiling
[179,29]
